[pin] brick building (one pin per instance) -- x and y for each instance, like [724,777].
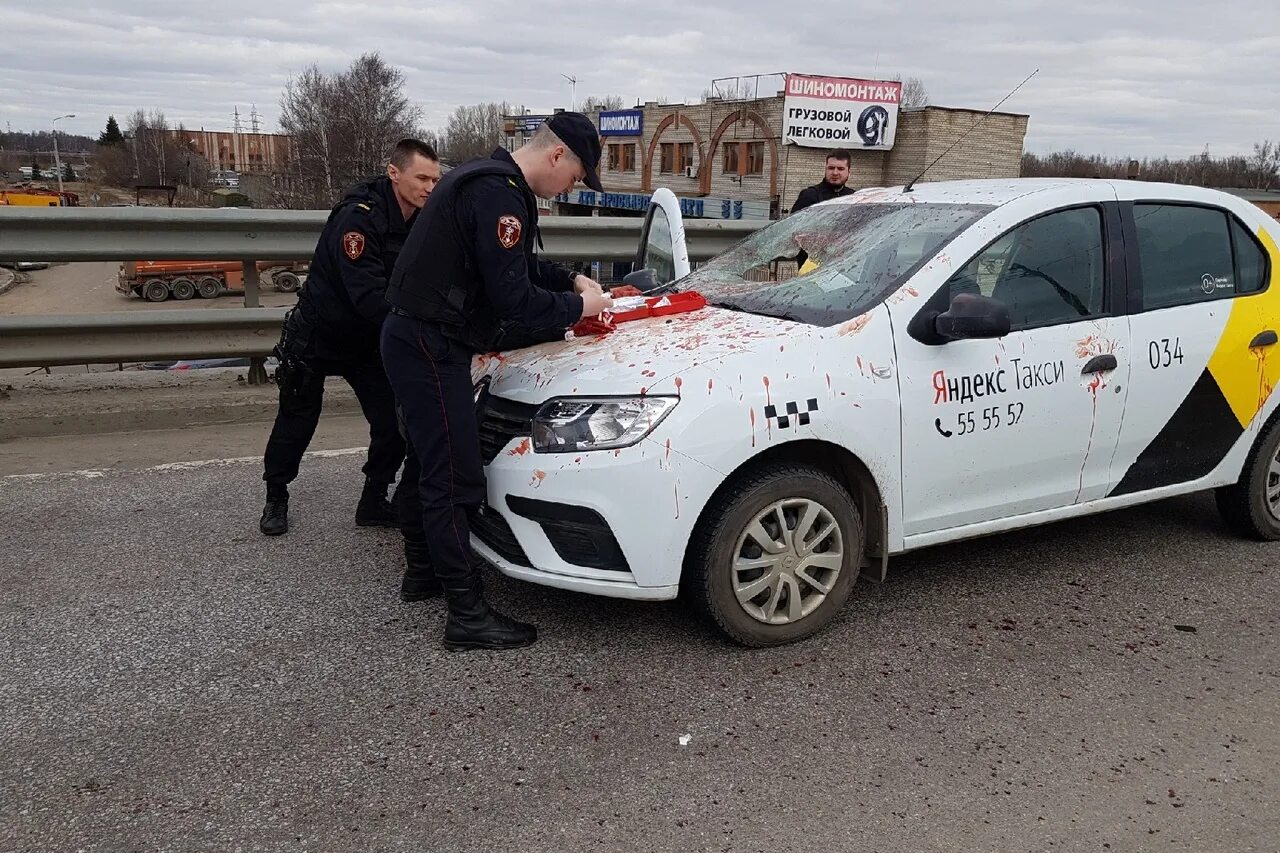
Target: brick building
[263,153]
[726,158]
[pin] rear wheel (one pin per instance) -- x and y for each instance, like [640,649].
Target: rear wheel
[1251,507]
[287,282]
[155,290]
[776,554]
[208,287]
[183,288]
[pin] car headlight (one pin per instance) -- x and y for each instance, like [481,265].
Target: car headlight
[575,424]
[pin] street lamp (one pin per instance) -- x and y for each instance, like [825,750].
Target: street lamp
[57,162]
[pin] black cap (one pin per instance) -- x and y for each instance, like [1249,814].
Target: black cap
[580,136]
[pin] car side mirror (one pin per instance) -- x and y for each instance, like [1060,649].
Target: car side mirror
[972,315]
[642,280]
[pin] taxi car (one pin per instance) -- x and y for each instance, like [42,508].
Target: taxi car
[954,359]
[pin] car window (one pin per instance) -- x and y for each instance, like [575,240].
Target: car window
[857,254]
[1185,253]
[1046,271]
[1251,260]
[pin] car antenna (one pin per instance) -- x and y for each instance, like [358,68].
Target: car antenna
[908,187]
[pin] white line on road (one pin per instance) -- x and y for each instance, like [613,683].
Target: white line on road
[93,474]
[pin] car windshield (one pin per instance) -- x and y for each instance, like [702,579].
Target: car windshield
[854,255]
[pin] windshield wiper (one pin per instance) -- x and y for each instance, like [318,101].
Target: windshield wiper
[778,315]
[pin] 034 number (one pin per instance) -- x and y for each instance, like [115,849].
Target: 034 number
[1164,352]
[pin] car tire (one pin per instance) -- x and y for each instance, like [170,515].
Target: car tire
[1251,506]
[155,290]
[769,499]
[286,282]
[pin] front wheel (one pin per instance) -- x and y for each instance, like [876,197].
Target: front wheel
[1251,506]
[776,554]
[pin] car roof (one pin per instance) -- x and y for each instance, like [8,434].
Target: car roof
[1003,191]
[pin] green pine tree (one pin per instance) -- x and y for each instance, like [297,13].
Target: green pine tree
[68,173]
[112,135]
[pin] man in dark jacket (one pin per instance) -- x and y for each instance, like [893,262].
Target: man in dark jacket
[334,329]
[831,186]
[469,269]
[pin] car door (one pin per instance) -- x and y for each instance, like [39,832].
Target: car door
[1202,319]
[1002,427]
[662,241]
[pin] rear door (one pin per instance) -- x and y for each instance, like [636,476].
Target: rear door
[1203,320]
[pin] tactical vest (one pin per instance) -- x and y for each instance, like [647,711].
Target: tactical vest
[437,277]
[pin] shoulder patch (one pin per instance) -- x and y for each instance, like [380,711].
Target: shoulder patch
[353,244]
[509,230]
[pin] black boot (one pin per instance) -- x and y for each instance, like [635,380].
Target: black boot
[420,580]
[374,510]
[472,624]
[275,515]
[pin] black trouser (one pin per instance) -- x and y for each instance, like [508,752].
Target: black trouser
[431,376]
[301,397]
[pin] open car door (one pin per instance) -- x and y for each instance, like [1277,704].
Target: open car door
[662,243]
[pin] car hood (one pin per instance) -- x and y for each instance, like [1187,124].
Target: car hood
[642,356]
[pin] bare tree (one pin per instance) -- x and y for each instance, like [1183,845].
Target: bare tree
[343,126]
[914,94]
[475,130]
[595,104]
[1258,171]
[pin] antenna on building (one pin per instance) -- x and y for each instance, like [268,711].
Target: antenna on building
[573,92]
[912,183]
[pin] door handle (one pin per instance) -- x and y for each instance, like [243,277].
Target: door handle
[1099,363]
[1264,339]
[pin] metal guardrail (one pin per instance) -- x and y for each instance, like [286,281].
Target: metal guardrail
[48,340]
[121,234]
[126,234]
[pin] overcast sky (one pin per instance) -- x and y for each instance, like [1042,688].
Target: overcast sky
[1113,80]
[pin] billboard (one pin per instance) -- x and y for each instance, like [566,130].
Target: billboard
[840,112]
[622,123]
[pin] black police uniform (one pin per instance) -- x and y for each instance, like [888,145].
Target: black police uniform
[334,331]
[469,264]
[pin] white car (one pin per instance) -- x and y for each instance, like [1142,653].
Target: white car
[953,361]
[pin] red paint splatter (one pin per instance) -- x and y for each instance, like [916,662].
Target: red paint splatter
[679,383]
[644,391]
[766,391]
[578,459]
[522,448]
[859,364]
[677,491]
[828,381]
[782,348]
[711,383]
[668,451]
[538,477]
[753,427]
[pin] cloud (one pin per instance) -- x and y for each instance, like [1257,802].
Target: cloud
[1124,80]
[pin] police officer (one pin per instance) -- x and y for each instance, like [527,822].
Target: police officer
[334,329]
[831,186]
[469,266]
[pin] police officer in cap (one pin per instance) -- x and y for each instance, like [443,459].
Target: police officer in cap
[334,331]
[469,267]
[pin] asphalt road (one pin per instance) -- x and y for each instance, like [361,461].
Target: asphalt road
[171,680]
[89,288]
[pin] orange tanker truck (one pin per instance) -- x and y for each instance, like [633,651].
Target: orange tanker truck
[156,281]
